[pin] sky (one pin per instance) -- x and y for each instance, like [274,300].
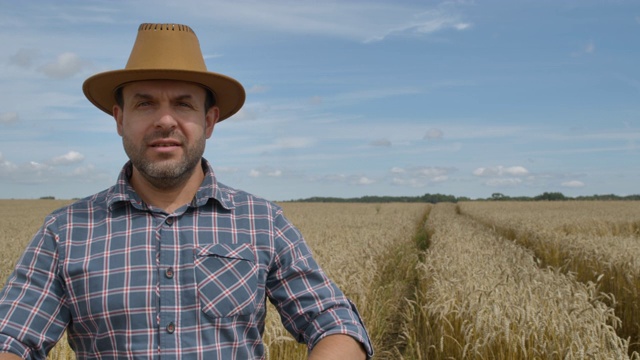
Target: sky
[345,98]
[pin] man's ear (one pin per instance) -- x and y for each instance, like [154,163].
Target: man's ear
[117,116]
[211,118]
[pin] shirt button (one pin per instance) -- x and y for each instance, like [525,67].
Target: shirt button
[169,273]
[171,328]
[169,221]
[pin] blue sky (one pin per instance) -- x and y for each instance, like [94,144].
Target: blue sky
[345,98]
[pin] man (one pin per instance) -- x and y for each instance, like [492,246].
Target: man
[169,263]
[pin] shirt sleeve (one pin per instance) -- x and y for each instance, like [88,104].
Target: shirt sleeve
[32,312]
[311,306]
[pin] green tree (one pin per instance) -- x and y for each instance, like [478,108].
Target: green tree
[551,196]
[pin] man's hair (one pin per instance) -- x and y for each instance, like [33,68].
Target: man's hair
[209,100]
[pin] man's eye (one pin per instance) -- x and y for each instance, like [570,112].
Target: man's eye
[143,103]
[185,105]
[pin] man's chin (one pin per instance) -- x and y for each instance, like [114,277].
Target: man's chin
[165,169]
[166,173]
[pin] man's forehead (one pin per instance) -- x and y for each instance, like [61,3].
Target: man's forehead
[171,87]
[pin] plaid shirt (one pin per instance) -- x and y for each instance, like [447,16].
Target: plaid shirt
[130,281]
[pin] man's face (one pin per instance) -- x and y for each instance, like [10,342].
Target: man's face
[164,128]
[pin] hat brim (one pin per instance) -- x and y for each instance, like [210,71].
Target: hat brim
[100,88]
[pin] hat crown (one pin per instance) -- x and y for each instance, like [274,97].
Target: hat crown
[165,52]
[166,46]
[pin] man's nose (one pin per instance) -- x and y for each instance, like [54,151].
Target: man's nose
[166,119]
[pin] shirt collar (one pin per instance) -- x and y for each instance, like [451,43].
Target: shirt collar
[123,192]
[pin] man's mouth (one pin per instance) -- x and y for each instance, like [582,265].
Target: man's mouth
[164,143]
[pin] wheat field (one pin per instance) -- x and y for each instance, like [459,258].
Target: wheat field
[474,280]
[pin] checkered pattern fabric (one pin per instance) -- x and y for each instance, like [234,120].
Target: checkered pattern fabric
[130,281]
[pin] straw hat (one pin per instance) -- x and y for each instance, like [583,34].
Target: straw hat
[165,52]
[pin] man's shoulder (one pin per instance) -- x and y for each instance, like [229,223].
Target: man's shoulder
[92,203]
[241,198]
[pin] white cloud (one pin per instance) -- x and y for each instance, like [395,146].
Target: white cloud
[211,56]
[248,113]
[293,142]
[356,180]
[5,165]
[372,94]
[34,165]
[365,181]
[23,58]
[573,184]
[268,172]
[501,171]
[433,134]
[66,65]
[517,171]
[407,182]
[500,176]
[31,172]
[334,178]
[9,117]
[590,48]
[50,176]
[316,100]
[258,89]
[484,172]
[419,176]
[83,171]
[462,26]
[497,182]
[431,172]
[69,158]
[380,143]
[360,21]
[252,111]
[427,22]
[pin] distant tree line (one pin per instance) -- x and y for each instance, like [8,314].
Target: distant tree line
[430,198]
[436,198]
[558,196]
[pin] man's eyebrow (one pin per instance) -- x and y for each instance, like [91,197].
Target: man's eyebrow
[142,96]
[184,97]
[149,97]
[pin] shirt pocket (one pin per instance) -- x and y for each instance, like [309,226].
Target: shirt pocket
[227,279]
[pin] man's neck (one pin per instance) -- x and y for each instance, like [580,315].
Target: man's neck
[167,199]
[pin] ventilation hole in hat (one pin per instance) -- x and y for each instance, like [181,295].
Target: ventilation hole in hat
[173,27]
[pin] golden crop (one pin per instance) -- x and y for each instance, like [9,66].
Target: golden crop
[595,242]
[19,221]
[476,280]
[481,296]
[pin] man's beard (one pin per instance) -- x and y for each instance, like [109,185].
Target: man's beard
[165,174]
